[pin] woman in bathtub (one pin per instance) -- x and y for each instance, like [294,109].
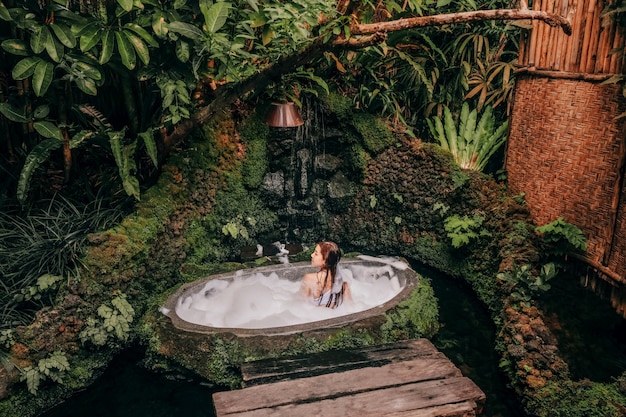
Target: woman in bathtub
[325,287]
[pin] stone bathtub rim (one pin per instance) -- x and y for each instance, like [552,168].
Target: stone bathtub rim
[409,275]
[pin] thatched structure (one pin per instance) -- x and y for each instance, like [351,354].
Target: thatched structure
[567,148]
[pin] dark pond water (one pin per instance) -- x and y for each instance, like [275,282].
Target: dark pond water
[591,335]
[467,338]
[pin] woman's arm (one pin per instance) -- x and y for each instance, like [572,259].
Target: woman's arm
[346,292]
[308,287]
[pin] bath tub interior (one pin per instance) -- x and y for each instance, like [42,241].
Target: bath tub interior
[267,300]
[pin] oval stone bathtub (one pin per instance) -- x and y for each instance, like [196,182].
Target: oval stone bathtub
[217,352]
[190,307]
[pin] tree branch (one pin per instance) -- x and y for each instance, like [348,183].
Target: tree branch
[551,19]
[374,33]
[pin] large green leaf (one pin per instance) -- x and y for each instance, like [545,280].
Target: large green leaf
[87,86]
[140,47]
[90,37]
[108,45]
[12,113]
[127,5]
[151,148]
[147,37]
[16,47]
[42,77]
[216,16]
[64,34]
[182,50]
[55,49]
[186,29]
[39,40]
[35,158]
[25,68]
[124,158]
[4,13]
[87,70]
[127,53]
[80,137]
[159,25]
[48,130]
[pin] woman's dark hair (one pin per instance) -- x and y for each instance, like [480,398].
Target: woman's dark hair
[331,254]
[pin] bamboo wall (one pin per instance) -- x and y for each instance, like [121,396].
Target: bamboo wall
[588,50]
[567,149]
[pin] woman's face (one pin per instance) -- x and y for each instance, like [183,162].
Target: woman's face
[317,259]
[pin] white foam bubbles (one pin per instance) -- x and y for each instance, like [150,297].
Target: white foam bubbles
[260,301]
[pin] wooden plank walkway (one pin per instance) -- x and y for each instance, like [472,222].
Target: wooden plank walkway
[407,379]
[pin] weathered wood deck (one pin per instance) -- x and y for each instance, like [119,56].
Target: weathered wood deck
[411,378]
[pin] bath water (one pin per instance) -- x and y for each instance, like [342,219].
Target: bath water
[262,301]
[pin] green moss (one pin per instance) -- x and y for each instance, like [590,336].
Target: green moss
[375,134]
[339,105]
[578,399]
[358,158]
[254,134]
[414,317]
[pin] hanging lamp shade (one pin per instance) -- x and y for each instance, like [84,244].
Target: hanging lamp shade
[283,115]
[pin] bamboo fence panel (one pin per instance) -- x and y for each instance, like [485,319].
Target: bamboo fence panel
[566,152]
[590,49]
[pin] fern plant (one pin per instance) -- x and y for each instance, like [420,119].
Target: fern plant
[113,323]
[562,237]
[472,141]
[52,367]
[463,229]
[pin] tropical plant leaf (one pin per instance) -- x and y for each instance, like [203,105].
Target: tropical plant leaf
[186,29]
[42,77]
[88,70]
[90,37]
[127,5]
[80,137]
[108,45]
[64,34]
[151,148]
[87,86]
[125,163]
[4,13]
[140,47]
[16,47]
[159,25]
[12,113]
[40,153]
[25,68]
[144,34]
[182,50]
[54,49]
[39,40]
[216,16]
[48,130]
[127,53]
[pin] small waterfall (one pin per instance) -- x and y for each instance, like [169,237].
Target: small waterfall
[301,174]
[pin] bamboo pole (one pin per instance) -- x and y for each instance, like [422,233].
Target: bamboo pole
[522,59]
[594,40]
[577,35]
[564,41]
[607,47]
[617,51]
[532,48]
[552,37]
[544,41]
[560,41]
[584,57]
[591,34]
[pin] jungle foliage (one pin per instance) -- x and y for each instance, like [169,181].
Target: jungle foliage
[93,88]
